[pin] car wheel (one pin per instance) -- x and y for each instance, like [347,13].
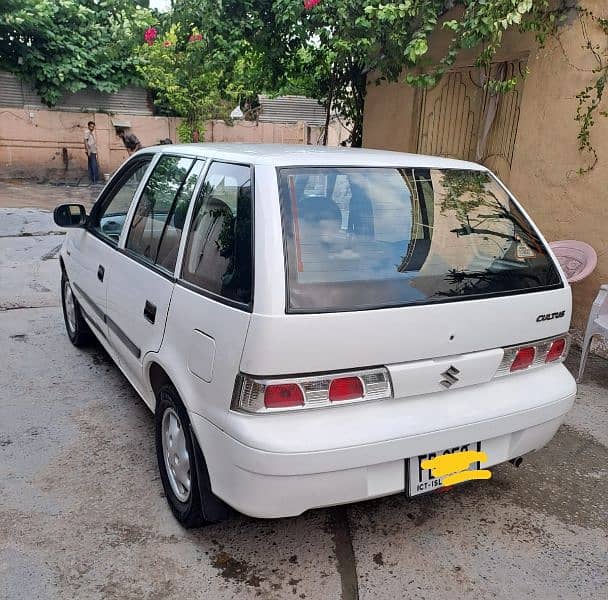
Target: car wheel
[75,325]
[183,471]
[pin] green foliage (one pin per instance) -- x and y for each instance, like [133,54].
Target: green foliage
[256,45]
[480,27]
[66,45]
[185,82]
[590,98]
[185,131]
[333,49]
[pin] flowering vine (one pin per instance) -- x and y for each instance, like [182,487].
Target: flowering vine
[173,63]
[310,4]
[150,35]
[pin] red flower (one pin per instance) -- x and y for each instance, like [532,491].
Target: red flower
[166,43]
[195,37]
[310,4]
[150,35]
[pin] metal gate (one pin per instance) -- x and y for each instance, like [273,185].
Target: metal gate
[460,119]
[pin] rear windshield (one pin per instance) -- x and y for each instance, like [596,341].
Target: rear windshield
[361,238]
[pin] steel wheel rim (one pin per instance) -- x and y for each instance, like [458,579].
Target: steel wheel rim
[70,307]
[175,453]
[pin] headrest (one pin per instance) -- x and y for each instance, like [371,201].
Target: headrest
[319,208]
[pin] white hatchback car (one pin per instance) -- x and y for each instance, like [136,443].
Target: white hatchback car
[310,324]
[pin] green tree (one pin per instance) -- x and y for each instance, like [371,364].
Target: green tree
[184,80]
[66,45]
[333,49]
[259,45]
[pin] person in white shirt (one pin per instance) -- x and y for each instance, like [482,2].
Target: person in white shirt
[90,147]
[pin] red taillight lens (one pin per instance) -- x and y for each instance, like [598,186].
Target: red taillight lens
[556,350]
[345,388]
[261,395]
[283,395]
[523,359]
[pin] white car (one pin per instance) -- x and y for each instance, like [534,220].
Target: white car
[309,325]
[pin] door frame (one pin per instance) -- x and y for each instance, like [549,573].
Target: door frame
[121,246]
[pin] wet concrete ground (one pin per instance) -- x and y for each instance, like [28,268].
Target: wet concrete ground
[82,512]
[45,196]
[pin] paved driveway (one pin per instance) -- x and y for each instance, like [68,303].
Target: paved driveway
[82,512]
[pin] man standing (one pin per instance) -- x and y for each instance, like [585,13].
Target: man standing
[130,140]
[90,147]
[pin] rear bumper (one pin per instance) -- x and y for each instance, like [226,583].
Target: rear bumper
[281,465]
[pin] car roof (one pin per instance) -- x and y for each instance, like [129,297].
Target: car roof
[300,155]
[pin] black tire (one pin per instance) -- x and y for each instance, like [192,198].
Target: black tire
[201,507]
[80,333]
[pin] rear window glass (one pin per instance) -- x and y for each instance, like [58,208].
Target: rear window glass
[360,238]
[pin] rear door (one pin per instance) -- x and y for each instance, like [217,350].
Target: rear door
[212,300]
[141,276]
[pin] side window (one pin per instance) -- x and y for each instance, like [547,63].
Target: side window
[110,218]
[169,243]
[157,224]
[218,254]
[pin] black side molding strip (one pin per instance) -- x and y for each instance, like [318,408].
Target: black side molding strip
[120,334]
[123,337]
[92,304]
[92,323]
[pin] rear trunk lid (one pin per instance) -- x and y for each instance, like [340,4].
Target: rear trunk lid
[417,343]
[419,270]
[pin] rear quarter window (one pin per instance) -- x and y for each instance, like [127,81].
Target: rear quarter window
[218,256]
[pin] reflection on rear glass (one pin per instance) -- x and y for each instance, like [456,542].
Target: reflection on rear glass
[377,237]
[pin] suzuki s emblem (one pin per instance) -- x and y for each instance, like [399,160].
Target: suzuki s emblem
[449,377]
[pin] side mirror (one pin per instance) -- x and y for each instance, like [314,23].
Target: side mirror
[70,215]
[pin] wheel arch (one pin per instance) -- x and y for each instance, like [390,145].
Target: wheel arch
[159,374]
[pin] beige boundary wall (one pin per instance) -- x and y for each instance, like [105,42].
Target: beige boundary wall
[544,172]
[48,144]
[273,133]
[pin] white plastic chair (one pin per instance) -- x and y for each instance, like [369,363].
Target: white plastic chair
[596,325]
[577,259]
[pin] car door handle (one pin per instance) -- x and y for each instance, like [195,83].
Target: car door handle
[150,311]
[100,272]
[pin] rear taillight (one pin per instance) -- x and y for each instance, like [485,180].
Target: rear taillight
[345,388]
[535,354]
[556,350]
[283,396]
[523,359]
[257,395]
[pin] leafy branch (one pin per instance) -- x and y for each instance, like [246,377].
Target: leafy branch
[63,46]
[590,98]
